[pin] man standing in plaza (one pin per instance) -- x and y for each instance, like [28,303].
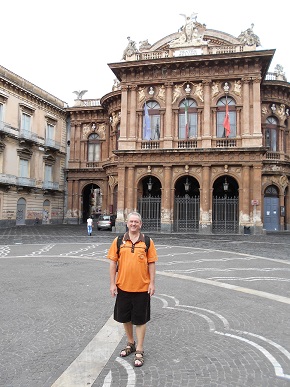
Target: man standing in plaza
[132,281]
[90,225]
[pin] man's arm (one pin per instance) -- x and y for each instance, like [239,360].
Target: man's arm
[113,270]
[152,271]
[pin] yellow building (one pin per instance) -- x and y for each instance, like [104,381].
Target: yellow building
[32,153]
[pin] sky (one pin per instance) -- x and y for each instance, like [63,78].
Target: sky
[63,46]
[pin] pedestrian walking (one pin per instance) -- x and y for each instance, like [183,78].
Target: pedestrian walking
[90,225]
[132,282]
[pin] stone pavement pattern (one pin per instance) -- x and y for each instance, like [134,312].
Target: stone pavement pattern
[220,316]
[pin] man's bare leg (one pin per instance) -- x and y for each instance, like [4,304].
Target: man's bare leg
[140,333]
[130,337]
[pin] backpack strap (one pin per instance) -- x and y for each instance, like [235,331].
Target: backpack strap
[119,242]
[147,242]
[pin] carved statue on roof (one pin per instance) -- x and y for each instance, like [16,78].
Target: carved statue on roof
[144,45]
[279,73]
[80,93]
[131,48]
[248,37]
[116,85]
[190,34]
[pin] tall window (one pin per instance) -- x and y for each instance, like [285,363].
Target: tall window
[26,122]
[221,113]
[187,119]
[48,173]
[50,132]
[94,147]
[151,124]
[271,134]
[23,168]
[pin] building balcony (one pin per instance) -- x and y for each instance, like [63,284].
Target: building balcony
[8,129]
[187,144]
[150,145]
[224,143]
[27,135]
[25,182]
[8,179]
[50,185]
[49,143]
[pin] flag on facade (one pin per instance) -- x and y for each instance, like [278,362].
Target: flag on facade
[227,125]
[157,131]
[147,124]
[186,120]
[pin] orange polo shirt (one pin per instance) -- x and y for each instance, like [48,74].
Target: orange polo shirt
[133,273]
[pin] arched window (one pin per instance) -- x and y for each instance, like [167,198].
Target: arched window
[94,147]
[271,134]
[187,119]
[151,121]
[271,191]
[221,114]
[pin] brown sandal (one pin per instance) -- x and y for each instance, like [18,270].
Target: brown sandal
[139,358]
[128,350]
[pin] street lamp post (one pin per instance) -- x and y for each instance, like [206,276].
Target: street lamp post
[226,188]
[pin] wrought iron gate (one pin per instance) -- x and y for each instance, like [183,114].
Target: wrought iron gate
[149,208]
[225,218]
[186,214]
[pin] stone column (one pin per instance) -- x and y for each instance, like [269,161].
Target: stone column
[205,201]
[257,194]
[245,199]
[124,121]
[77,155]
[120,221]
[166,202]
[133,122]
[130,190]
[246,109]
[72,141]
[206,126]
[257,111]
[168,129]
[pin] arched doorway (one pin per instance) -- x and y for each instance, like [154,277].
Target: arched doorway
[21,212]
[225,208]
[271,208]
[149,204]
[186,205]
[92,201]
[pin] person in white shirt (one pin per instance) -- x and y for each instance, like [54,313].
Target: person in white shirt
[90,225]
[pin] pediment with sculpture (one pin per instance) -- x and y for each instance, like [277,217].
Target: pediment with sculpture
[193,38]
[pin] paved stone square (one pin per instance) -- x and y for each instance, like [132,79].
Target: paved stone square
[220,315]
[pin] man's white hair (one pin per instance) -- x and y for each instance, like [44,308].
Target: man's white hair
[135,213]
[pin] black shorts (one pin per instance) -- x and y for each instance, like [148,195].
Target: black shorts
[132,306]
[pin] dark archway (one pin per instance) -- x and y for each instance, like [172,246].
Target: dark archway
[92,201]
[186,205]
[149,203]
[225,208]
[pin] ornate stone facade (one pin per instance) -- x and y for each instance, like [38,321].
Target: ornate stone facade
[159,143]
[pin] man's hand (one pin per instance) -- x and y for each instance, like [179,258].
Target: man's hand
[151,289]
[113,290]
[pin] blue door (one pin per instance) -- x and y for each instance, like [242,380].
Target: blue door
[271,213]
